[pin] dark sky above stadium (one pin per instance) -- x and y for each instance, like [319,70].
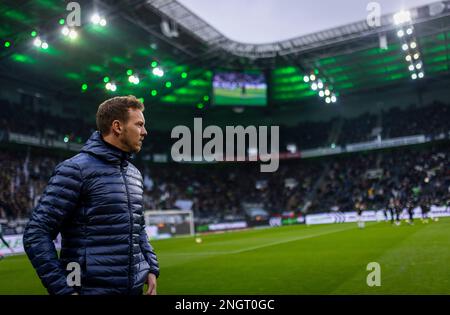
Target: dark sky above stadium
[266,21]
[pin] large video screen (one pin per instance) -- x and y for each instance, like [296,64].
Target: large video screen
[239,89]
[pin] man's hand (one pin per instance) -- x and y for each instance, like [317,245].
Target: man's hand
[151,282]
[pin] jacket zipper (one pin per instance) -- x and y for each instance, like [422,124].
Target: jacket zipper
[130,251]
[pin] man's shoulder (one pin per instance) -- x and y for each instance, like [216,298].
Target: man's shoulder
[79,161]
[133,169]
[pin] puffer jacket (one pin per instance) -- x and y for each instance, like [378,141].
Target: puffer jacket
[94,200]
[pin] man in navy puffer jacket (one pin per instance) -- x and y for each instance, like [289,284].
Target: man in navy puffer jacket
[94,200]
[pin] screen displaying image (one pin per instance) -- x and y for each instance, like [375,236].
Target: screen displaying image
[240,89]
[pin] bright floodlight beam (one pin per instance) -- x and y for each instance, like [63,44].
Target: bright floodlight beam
[37,42]
[95,18]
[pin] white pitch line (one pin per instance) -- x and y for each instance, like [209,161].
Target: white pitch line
[259,246]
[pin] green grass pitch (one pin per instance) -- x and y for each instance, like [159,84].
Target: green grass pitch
[322,259]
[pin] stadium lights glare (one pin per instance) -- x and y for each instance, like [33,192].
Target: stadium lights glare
[65,31]
[73,34]
[98,20]
[408,58]
[411,67]
[95,19]
[321,93]
[314,86]
[405,47]
[306,79]
[421,75]
[402,17]
[333,99]
[414,76]
[413,45]
[158,72]
[328,100]
[419,66]
[320,85]
[37,42]
[111,86]
[312,77]
[409,31]
[416,56]
[133,79]
[44,45]
[400,33]
[327,92]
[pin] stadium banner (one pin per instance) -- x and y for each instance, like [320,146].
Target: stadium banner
[225,226]
[280,221]
[372,215]
[16,243]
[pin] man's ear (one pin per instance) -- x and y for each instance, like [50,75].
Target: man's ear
[117,127]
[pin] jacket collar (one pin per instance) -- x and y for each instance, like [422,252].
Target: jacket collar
[100,148]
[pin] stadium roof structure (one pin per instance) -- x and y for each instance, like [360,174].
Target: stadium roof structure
[143,35]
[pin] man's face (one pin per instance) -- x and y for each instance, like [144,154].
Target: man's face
[134,131]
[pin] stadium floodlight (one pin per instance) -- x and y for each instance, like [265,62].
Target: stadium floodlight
[409,31]
[402,17]
[416,56]
[102,22]
[113,87]
[133,79]
[320,85]
[411,67]
[158,72]
[333,98]
[44,45]
[65,31]
[321,93]
[400,33]
[328,100]
[312,77]
[421,75]
[7,44]
[95,18]
[37,42]
[408,58]
[405,47]
[73,34]
[414,76]
[184,75]
[108,86]
[33,33]
[413,45]
[314,86]
[419,66]
[306,79]
[327,92]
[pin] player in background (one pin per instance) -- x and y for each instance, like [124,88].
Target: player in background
[359,207]
[4,242]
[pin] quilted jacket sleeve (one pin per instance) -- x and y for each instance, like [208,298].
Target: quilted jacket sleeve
[148,252]
[58,200]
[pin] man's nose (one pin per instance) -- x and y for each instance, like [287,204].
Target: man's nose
[144,132]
